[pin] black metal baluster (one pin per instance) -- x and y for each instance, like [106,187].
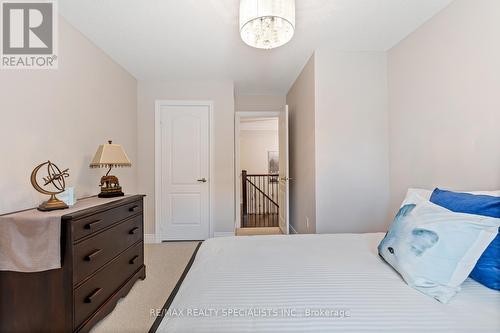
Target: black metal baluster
[263,195]
[260,195]
[249,198]
[269,206]
[257,182]
[268,202]
[255,199]
[266,184]
[249,189]
[272,191]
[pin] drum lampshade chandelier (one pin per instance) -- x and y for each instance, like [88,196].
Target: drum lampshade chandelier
[266,24]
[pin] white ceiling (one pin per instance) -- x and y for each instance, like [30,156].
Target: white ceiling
[199,39]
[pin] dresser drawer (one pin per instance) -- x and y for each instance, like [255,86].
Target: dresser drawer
[92,253]
[93,293]
[88,225]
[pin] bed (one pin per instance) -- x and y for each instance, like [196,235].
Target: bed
[314,283]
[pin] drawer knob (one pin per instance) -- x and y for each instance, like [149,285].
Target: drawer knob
[132,261]
[133,208]
[93,224]
[133,230]
[92,255]
[92,296]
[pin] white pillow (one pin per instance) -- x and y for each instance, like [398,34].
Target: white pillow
[435,249]
[426,194]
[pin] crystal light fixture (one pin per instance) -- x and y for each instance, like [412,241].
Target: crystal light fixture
[266,24]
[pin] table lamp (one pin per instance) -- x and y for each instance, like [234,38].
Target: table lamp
[110,156]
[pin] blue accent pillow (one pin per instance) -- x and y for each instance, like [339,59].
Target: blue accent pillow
[435,249]
[487,269]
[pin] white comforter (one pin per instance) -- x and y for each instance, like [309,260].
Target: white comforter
[315,283]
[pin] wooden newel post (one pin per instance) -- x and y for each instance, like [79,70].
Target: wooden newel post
[244,191]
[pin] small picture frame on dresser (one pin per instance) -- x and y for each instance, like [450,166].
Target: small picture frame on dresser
[68,196]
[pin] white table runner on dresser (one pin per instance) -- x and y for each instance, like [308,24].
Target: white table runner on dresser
[30,241]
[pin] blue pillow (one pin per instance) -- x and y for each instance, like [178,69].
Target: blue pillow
[485,205]
[487,269]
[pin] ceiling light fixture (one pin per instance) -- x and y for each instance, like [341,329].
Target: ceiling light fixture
[266,24]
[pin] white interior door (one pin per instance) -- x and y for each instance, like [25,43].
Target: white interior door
[284,186]
[184,172]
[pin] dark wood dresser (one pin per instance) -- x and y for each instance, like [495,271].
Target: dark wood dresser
[102,257]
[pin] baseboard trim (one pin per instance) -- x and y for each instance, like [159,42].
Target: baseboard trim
[292,230]
[150,239]
[223,234]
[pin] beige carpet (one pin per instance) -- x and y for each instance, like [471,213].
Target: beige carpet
[165,263]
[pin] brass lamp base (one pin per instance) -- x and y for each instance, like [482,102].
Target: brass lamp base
[109,194]
[110,187]
[52,204]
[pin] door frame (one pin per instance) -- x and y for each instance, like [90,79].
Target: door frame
[237,181]
[165,102]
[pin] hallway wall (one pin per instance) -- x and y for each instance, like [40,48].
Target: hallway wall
[302,151]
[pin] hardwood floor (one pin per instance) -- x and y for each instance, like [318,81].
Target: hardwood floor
[260,220]
[258,231]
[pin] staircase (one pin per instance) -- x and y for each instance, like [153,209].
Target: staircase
[259,200]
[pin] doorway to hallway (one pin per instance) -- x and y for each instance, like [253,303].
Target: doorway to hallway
[261,150]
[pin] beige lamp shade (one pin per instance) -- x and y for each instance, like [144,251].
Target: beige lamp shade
[110,156]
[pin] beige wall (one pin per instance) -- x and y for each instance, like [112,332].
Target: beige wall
[63,115]
[221,93]
[259,102]
[301,103]
[254,146]
[444,102]
[352,147]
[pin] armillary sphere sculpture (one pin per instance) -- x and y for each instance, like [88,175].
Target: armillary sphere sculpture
[53,183]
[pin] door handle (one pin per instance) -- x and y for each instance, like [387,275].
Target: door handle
[202,180]
[285,178]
